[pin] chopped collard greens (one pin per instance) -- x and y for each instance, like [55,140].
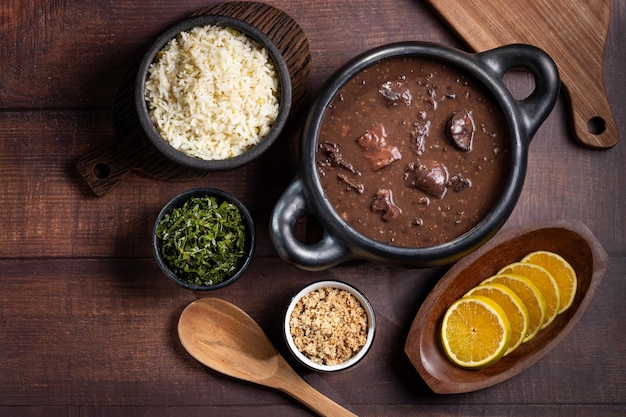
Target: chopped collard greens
[202,242]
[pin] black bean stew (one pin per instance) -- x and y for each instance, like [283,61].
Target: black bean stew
[412,152]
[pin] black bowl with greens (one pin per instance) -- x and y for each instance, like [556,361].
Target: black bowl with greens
[203,239]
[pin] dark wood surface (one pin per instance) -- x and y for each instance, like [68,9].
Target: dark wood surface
[88,322]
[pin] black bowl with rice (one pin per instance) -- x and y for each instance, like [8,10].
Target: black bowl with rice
[213,93]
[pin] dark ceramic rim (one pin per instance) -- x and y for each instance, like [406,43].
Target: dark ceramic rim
[222,164]
[371,334]
[456,248]
[250,242]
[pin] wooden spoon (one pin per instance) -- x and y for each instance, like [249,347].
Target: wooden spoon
[223,337]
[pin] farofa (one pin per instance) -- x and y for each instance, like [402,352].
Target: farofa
[328,325]
[213,92]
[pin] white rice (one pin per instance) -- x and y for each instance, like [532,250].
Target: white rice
[213,92]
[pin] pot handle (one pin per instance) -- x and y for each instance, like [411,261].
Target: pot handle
[291,206]
[537,107]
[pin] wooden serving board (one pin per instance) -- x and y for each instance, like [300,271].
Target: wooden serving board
[573,32]
[103,169]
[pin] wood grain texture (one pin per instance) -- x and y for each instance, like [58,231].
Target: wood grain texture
[570,239]
[87,320]
[104,168]
[225,338]
[110,340]
[573,32]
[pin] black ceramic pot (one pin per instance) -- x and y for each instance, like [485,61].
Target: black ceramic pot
[340,242]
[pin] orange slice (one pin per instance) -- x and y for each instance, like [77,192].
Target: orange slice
[561,271]
[531,297]
[475,332]
[543,280]
[512,305]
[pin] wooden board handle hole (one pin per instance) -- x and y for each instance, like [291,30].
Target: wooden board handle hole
[596,125]
[102,170]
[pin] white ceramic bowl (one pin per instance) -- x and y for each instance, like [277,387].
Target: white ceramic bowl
[371,326]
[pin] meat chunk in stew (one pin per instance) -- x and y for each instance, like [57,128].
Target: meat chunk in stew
[377,152]
[383,204]
[427,175]
[395,92]
[461,130]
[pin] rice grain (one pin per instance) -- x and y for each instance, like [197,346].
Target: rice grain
[213,92]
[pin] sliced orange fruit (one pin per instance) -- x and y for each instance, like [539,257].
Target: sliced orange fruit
[561,271]
[543,280]
[513,307]
[531,297]
[475,332]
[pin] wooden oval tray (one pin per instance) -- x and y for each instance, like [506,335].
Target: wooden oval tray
[570,239]
[104,168]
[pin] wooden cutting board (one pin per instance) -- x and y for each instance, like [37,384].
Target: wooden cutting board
[104,168]
[573,32]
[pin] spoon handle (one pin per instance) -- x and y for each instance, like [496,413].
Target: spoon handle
[315,400]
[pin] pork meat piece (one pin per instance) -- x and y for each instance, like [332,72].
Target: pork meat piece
[375,138]
[382,157]
[335,158]
[395,92]
[461,129]
[383,204]
[377,153]
[427,175]
[418,136]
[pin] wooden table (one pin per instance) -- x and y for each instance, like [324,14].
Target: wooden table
[87,320]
